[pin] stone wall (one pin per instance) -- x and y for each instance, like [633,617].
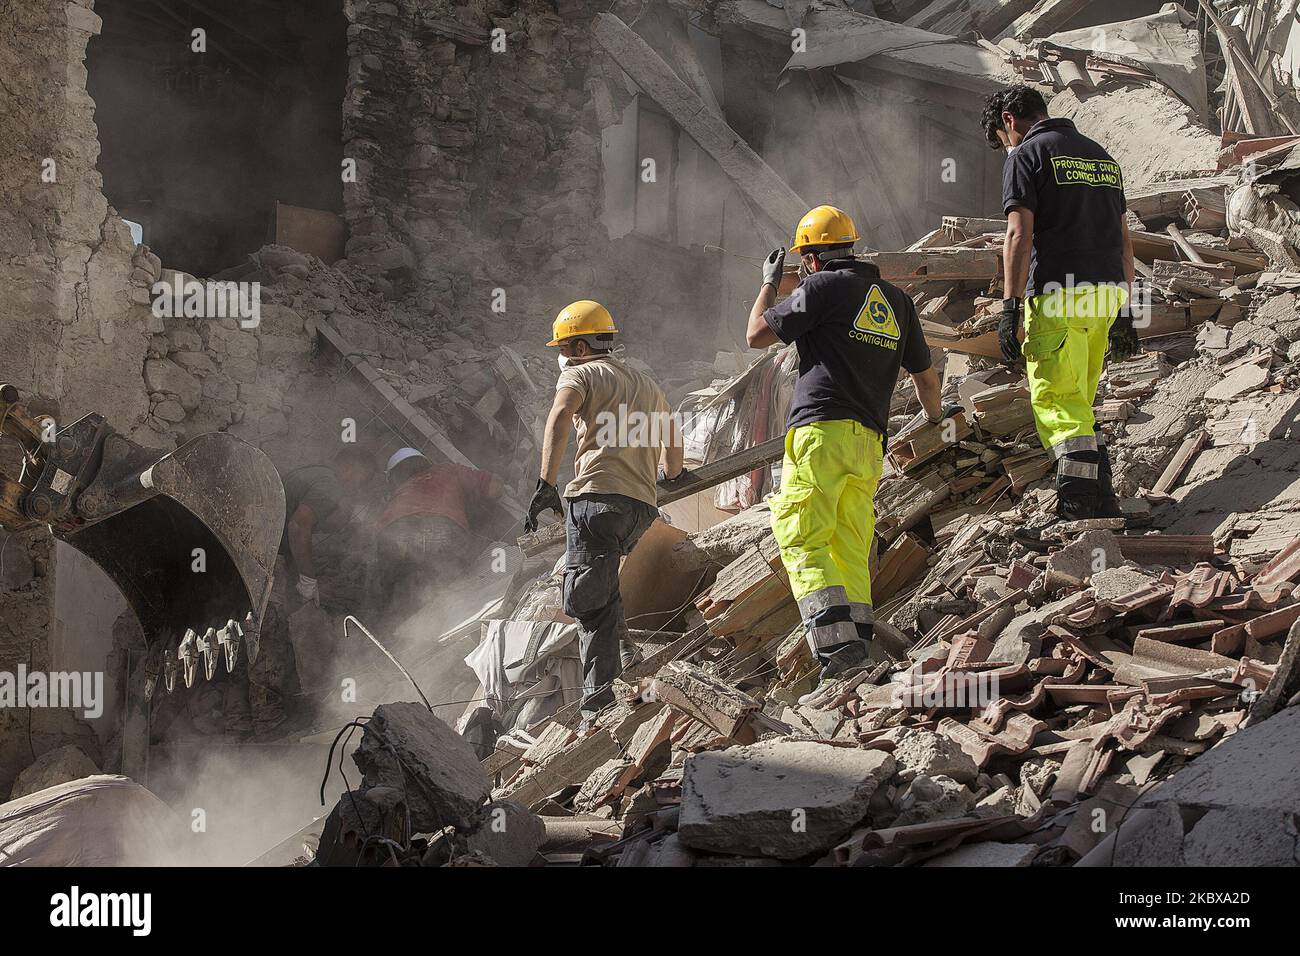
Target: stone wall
[73,323]
[480,169]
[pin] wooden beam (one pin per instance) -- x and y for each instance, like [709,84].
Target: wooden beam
[1238,63]
[696,480]
[724,469]
[756,179]
[411,423]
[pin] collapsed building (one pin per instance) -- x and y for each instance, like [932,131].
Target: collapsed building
[493,164]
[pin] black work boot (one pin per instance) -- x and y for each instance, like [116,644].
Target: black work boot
[1107,502]
[836,662]
[1076,494]
[841,660]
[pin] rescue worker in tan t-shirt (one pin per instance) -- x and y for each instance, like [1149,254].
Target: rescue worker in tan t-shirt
[625,436]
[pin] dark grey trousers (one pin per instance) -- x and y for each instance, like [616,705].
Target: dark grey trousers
[600,530]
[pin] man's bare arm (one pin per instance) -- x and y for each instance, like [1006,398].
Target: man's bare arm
[1016,249]
[558,425]
[674,450]
[758,334]
[927,390]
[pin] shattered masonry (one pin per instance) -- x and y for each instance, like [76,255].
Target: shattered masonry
[1137,666]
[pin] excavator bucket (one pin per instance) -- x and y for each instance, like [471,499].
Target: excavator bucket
[189,536]
[190,539]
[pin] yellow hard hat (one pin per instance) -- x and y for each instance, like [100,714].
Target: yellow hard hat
[583,317]
[824,226]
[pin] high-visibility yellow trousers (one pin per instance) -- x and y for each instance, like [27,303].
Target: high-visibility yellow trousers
[824,519]
[1066,336]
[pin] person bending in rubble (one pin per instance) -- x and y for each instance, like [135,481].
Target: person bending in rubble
[625,433]
[854,333]
[425,541]
[312,494]
[1068,269]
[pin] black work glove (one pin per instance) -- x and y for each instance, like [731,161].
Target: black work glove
[772,267]
[1123,336]
[1007,325]
[680,476]
[949,411]
[545,498]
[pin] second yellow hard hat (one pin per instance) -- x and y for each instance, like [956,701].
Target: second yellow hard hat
[824,226]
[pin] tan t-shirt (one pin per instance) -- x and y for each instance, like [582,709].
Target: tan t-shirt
[622,424]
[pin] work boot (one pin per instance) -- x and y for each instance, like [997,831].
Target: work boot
[1107,502]
[835,664]
[842,660]
[1076,495]
[628,653]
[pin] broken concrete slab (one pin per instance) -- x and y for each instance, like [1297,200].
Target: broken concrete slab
[1267,754]
[509,834]
[694,691]
[1091,553]
[1242,836]
[1150,838]
[927,799]
[1241,380]
[782,798]
[925,753]
[406,747]
[987,854]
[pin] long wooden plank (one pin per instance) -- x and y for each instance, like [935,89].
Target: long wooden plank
[411,423]
[698,479]
[724,469]
[755,178]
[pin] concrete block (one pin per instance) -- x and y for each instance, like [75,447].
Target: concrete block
[925,753]
[781,798]
[509,834]
[406,747]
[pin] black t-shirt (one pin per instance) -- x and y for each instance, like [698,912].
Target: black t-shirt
[315,486]
[1076,193]
[854,331]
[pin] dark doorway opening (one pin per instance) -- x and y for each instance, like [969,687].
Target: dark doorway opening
[197,147]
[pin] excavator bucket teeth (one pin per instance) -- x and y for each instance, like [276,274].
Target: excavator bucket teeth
[189,538]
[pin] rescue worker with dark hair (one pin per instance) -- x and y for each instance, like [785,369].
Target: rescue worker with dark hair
[1068,269]
[854,333]
[625,437]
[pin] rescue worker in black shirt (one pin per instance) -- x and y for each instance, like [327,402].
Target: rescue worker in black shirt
[854,332]
[1068,268]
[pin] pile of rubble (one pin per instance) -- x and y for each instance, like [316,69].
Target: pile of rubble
[1012,692]
[1023,701]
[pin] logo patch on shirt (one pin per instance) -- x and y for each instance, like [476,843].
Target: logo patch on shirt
[876,317]
[1077,171]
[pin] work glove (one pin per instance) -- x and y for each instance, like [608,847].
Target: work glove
[1007,326]
[949,411]
[307,589]
[1123,336]
[545,498]
[680,476]
[772,267]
